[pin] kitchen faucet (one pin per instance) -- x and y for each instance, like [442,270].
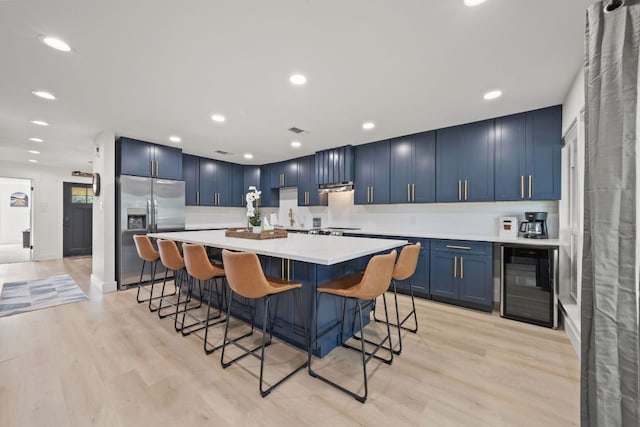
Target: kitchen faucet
[291,217]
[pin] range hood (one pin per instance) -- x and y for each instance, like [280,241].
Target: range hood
[336,186]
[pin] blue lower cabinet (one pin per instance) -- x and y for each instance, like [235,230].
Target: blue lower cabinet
[462,273]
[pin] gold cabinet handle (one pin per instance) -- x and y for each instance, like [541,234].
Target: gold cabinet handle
[522,186]
[467,248]
[197,197]
[455,266]
[372,194]
[459,190]
[530,182]
[282,268]
[151,167]
[368,194]
[288,269]
[465,189]
[157,168]
[413,192]
[408,192]
[462,267]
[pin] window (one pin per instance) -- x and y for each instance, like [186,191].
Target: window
[81,195]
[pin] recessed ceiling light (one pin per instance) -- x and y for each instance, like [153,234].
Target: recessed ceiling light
[39,123]
[492,95]
[174,138]
[218,118]
[368,125]
[34,151]
[248,156]
[472,3]
[33,161]
[56,43]
[297,79]
[44,94]
[295,144]
[36,140]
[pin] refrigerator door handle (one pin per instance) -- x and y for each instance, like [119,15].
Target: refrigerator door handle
[155,215]
[149,221]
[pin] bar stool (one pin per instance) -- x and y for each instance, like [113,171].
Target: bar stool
[246,278]
[172,260]
[369,286]
[147,252]
[404,269]
[201,270]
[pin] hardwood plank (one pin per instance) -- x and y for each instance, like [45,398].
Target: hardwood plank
[108,361]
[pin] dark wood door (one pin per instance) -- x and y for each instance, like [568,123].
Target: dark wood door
[77,219]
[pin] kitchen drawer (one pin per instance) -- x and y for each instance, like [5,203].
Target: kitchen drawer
[463,246]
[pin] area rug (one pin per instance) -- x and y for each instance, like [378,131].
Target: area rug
[20,297]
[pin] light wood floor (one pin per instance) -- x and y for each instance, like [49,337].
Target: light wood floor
[108,361]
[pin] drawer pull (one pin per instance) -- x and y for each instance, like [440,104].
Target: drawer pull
[455,266]
[467,248]
[462,267]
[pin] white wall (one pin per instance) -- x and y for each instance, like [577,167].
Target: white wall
[574,101]
[104,207]
[47,204]
[13,219]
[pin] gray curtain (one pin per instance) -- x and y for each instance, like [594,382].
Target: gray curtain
[610,376]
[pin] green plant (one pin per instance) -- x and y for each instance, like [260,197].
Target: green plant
[255,219]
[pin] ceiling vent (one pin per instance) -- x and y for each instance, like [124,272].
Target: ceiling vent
[297,130]
[224,153]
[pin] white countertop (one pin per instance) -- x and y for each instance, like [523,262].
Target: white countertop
[325,250]
[213,226]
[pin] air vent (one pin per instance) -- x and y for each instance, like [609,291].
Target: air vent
[296,130]
[224,153]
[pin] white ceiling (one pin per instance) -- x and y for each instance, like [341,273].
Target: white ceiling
[153,68]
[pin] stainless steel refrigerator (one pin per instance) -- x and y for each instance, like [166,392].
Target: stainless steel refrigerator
[144,205]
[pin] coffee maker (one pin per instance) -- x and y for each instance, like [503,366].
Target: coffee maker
[535,226]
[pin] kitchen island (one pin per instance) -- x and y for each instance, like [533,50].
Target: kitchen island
[309,259]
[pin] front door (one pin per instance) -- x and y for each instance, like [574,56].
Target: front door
[77,219]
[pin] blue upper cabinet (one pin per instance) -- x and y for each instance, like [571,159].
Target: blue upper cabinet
[146,159]
[528,150]
[251,179]
[215,181]
[237,185]
[372,173]
[168,162]
[284,174]
[308,183]
[207,177]
[413,168]
[270,197]
[465,162]
[191,173]
[224,185]
[335,165]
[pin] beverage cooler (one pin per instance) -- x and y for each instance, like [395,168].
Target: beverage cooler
[529,279]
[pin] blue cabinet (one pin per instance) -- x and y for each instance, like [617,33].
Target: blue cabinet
[284,174]
[335,165]
[237,185]
[215,182]
[413,168]
[308,184]
[270,196]
[465,163]
[191,173]
[420,279]
[372,173]
[462,273]
[528,155]
[142,158]
[251,178]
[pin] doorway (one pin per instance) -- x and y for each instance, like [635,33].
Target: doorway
[15,220]
[77,219]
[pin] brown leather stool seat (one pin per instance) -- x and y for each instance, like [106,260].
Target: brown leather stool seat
[405,269]
[246,278]
[148,254]
[363,290]
[202,272]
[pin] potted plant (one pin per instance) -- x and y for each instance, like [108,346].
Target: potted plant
[253,213]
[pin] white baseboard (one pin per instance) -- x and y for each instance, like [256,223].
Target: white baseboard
[104,287]
[571,326]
